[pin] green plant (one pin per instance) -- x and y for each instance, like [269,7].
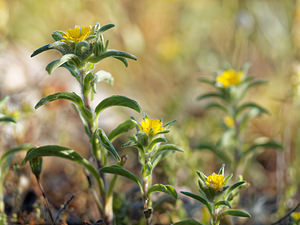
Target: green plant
[216,196]
[152,148]
[81,49]
[230,88]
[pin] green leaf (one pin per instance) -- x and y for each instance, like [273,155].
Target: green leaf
[111,53]
[234,212]
[14,150]
[3,100]
[210,95]
[168,189]
[103,76]
[251,105]
[234,186]
[105,28]
[58,45]
[187,222]
[7,119]
[166,147]
[104,141]
[255,83]
[157,140]
[269,144]
[123,60]
[62,152]
[68,96]
[215,150]
[118,170]
[121,129]
[75,72]
[200,199]
[64,59]
[117,100]
[225,203]
[216,105]
[57,35]
[207,81]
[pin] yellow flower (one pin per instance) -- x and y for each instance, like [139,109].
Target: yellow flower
[229,122]
[229,78]
[151,126]
[77,34]
[296,216]
[215,181]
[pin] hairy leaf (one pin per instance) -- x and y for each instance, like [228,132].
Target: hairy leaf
[117,100]
[168,189]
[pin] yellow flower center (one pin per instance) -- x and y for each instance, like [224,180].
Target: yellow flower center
[77,34]
[151,126]
[229,122]
[229,78]
[215,181]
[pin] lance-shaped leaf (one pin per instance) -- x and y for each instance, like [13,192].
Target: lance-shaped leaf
[14,150]
[87,83]
[211,95]
[188,222]
[168,189]
[60,95]
[200,199]
[58,45]
[216,105]
[233,187]
[251,106]
[166,147]
[105,28]
[119,170]
[269,144]
[156,141]
[123,60]
[110,53]
[121,129]
[67,96]
[7,119]
[104,141]
[66,153]
[64,59]
[234,212]
[75,72]
[215,150]
[225,203]
[207,81]
[117,100]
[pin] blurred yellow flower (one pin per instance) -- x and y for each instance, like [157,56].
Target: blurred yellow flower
[229,78]
[215,181]
[229,122]
[77,34]
[296,216]
[151,126]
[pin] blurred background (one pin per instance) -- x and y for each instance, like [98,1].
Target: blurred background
[176,42]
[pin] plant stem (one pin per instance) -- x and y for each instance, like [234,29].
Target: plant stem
[46,200]
[106,207]
[147,201]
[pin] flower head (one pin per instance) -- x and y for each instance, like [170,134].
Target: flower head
[296,216]
[215,181]
[229,78]
[229,122]
[151,126]
[77,34]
